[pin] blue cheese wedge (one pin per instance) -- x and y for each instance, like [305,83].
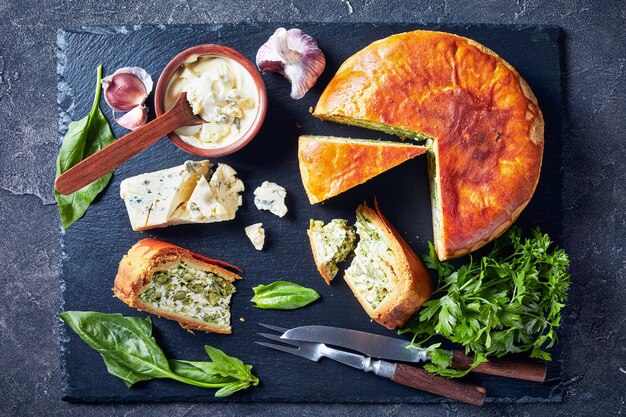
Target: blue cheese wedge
[256,234]
[271,196]
[190,193]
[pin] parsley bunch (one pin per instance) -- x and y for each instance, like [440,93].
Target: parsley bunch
[508,302]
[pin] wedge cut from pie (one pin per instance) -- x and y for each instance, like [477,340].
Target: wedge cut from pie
[480,116]
[331,165]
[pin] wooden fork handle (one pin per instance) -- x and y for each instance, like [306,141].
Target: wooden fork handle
[446,387]
[524,370]
[118,152]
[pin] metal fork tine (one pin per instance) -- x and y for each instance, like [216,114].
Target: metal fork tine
[283,348]
[275,328]
[277,338]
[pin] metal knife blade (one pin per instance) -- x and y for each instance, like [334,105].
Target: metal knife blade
[370,344]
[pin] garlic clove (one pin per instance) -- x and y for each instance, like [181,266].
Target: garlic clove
[302,78]
[127,88]
[295,55]
[134,119]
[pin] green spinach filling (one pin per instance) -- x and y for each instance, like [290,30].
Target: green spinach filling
[366,272]
[391,130]
[436,208]
[334,241]
[191,292]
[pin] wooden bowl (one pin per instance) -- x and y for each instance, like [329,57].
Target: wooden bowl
[218,50]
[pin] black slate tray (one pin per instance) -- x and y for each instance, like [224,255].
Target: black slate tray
[93,247]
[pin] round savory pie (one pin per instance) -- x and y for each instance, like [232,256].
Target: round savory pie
[482,118]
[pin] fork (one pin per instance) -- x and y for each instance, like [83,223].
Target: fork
[403,374]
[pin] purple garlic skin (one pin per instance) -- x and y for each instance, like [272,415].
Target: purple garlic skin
[127,88]
[134,119]
[295,55]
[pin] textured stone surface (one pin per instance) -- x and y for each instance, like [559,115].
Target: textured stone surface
[594,193]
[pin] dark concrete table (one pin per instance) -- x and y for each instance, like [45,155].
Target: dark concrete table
[594,194]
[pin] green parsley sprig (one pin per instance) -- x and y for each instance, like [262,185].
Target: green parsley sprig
[509,301]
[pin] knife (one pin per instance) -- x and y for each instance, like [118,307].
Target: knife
[385,347]
[399,373]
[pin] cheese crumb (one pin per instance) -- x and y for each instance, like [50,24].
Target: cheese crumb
[256,234]
[271,196]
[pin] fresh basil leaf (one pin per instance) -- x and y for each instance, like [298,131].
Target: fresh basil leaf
[125,343]
[203,372]
[283,295]
[232,388]
[83,138]
[131,353]
[229,366]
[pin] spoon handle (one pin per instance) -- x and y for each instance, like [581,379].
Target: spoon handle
[120,151]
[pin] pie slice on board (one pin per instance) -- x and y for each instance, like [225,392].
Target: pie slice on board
[331,165]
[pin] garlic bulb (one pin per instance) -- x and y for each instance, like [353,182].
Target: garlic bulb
[294,54]
[127,88]
[135,118]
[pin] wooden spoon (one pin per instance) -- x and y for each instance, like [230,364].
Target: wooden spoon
[120,151]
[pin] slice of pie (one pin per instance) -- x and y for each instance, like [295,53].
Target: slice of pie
[331,165]
[385,275]
[172,282]
[482,118]
[331,244]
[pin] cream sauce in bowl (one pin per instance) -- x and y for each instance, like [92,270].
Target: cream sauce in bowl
[222,92]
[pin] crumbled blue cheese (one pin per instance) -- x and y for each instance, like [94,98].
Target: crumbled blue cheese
[218,198]
[190,193]
[256,234]
[271,196]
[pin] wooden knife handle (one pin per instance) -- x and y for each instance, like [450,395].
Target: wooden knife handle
[446,387]
[524,370]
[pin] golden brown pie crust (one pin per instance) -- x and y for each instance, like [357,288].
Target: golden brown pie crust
[330,166]
[487,126]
